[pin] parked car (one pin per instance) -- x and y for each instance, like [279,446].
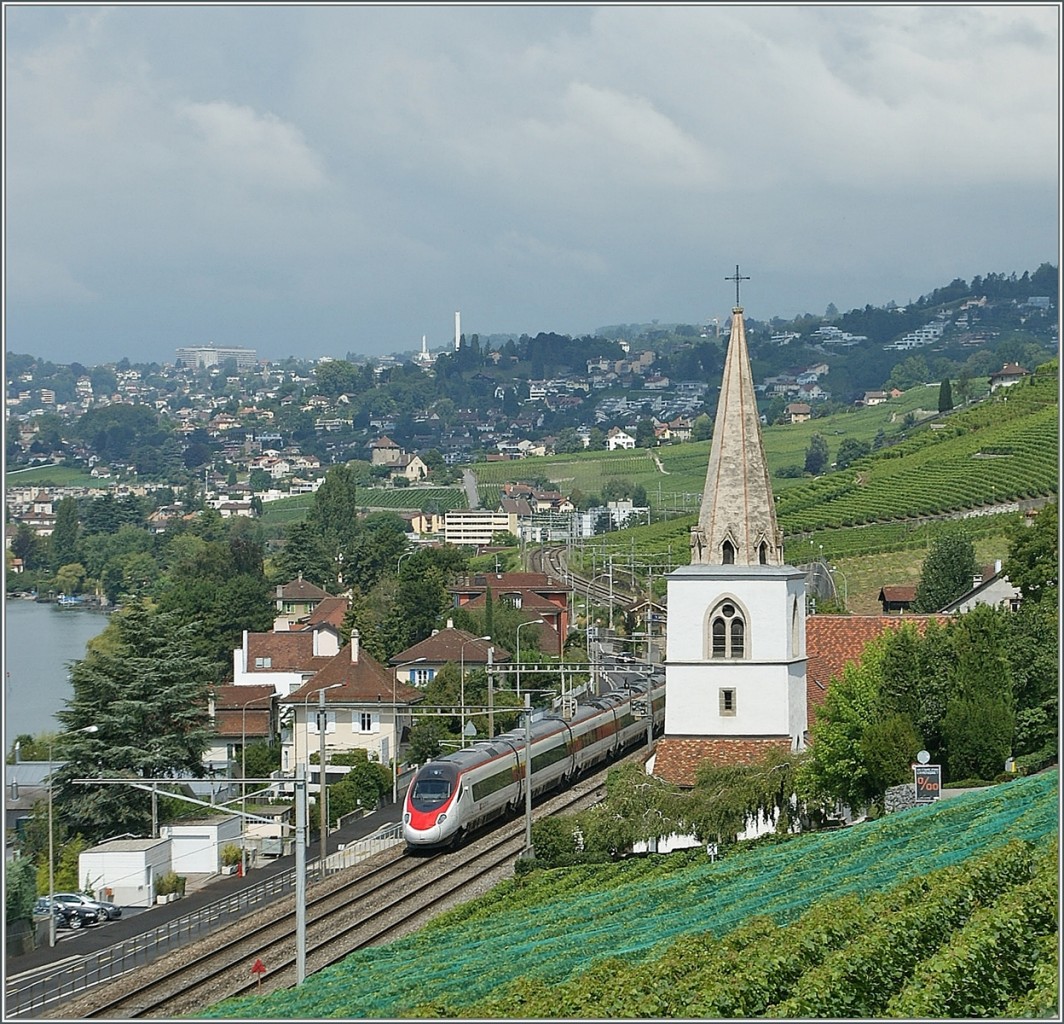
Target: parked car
[76,899]
[68,915]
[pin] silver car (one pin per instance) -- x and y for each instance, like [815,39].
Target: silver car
[77,898]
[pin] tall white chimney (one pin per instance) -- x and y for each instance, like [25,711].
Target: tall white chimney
[354,647]
[424,346]
[457,331]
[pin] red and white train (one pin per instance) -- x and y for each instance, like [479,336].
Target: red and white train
[454,794]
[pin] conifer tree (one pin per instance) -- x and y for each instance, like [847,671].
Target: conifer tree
[945,396]
[145,689]
[979,723]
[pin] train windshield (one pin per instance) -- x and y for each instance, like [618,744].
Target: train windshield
[430,792]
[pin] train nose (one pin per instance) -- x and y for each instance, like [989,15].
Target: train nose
[425,834]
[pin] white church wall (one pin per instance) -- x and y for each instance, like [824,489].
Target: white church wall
[768,682]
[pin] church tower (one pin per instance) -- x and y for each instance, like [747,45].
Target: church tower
[735,670]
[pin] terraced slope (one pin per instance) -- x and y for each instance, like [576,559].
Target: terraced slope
[948,909]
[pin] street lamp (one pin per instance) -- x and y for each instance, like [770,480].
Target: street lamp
[845,586]
[320,691]
[471,640]
[243,785]
[395,729]
[399,561]
[531,622]
[51,851]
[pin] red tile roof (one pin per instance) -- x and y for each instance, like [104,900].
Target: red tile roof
[300,590]
[446,645]
[833,641]
[676,758]
[361,681]
[287,652]
[330,610]
[245,711]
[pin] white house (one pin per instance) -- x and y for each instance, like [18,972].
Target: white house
[617,438]
[125,871]
[196,846]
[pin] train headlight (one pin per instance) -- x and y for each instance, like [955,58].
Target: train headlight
[441,818]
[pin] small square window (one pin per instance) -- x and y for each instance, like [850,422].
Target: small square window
[727,702]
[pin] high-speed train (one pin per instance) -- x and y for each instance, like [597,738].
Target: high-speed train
[453,794]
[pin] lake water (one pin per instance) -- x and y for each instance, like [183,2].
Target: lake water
[40,642]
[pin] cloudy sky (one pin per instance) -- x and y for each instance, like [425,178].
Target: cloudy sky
[317,180]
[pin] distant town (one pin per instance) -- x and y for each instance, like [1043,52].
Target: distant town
[242,431]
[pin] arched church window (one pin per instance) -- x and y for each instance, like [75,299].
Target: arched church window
[727,631]
[727,553]
[762,553]
[720,645]
[738,632]
[795,633]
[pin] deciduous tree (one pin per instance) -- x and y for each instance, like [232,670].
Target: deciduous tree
[948,571]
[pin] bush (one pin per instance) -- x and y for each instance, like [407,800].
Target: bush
[231,854]
[167,884]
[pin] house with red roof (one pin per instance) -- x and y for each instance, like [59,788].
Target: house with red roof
[537,595]
[352,702]
[444,646]
[239,715]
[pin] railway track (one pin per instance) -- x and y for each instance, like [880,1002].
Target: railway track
[378,901]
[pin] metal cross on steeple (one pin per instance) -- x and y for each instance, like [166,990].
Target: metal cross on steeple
[737,277]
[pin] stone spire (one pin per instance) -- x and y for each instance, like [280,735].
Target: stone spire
[737,521]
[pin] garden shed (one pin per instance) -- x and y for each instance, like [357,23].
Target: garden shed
[125,871]
[197,843]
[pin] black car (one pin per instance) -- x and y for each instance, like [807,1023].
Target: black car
[68,915]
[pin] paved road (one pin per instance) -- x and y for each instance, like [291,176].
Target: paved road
[135,921]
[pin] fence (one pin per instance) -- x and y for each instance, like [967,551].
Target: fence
[352,853]
[31,995]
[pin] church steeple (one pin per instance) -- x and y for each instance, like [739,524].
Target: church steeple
[737,521]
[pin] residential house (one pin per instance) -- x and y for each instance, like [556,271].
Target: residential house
[1009,374]
[239,715]
[424,522]
[298,597]
[365,708]
[408,467]
[989,586]
[445,645]
[537,595]
[283,659]
[798,412]
[617,438]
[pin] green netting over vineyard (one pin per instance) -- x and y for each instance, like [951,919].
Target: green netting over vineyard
[558,923]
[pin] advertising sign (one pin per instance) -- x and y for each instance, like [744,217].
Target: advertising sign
[928,778]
